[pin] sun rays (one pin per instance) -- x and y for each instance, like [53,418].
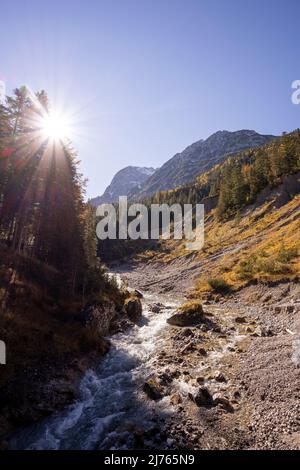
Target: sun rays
[55,127]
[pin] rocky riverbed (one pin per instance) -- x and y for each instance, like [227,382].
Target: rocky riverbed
[229,381]
[233,380]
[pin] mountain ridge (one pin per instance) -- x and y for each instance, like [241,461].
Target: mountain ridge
[198,158]
[124,181]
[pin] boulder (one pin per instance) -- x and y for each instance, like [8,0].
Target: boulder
[218,399]
[190,314]
[203,397]
[133,309]
[99,317]
[152,389]
[134,293]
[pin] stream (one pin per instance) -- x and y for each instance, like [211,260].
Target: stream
[112,404]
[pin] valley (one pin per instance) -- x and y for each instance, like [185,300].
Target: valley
[144,344]
[214,385]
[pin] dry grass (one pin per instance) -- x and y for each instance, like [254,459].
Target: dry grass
[192,306]
[260,245]
[37,326]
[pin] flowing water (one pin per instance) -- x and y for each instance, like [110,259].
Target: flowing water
[111,402]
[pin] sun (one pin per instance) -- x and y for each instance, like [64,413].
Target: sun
[55,126]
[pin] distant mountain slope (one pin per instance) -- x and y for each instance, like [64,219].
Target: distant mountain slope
[252,224]
[198,158]
[122,183]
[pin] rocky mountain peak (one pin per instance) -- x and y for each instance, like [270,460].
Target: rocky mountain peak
[198,158]
[124,181]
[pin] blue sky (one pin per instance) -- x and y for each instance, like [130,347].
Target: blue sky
[145,78]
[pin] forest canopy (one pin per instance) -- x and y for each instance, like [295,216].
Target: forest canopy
[42,211]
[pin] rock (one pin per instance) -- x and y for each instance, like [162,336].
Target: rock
[99,318]
[176,399]
[259,331]
[121,325]
[190,314]
[203,397]
[200,380]
[203,327]
[267,332]
[184,319]
[156,308]
[162,354]
[255,334]
[187,332]
[219,377]
[138,294]
[133,309]
[236,395]
[202,351]
[216,329]
[240,319]
[267,298]
[152,389]
[218,399]
[165,378]
[188,348]
[287,308]
[290,308]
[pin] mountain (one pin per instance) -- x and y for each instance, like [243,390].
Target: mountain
[252,223]
[198,158]
[122,183]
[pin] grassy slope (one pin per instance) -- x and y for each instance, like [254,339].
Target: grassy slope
[263,244]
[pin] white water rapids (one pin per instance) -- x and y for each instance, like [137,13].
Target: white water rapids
[111,402]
